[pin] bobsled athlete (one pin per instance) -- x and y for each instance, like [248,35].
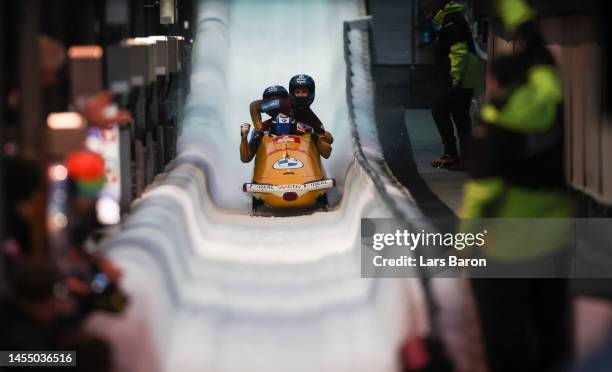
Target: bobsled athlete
[271,93]
[301,95]
[249,149]
[296,104]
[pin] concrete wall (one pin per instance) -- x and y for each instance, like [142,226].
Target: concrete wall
[394,37]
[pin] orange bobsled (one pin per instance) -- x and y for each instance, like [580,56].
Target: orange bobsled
[289,173]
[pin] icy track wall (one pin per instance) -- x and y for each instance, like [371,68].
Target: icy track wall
[213,288]
[366,146]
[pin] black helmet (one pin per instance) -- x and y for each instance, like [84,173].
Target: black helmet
[302,81]
[275,91]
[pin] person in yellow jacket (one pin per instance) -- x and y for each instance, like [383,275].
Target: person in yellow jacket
[514,161]
[460,74]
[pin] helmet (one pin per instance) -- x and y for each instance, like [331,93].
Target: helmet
[302,81]
[275,91]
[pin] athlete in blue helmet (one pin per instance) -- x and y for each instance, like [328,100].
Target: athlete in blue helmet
[301,92]
[249,149]
[275,91]
[272,92]
[301,95]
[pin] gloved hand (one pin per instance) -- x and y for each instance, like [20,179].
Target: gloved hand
[328,137]
[244,130]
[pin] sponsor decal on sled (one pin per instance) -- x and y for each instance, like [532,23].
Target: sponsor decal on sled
[288,163]
[279,190]
[285,139]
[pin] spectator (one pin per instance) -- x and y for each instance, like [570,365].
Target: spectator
[21,180]
[29,316]
[459,69]
[92,280]
[515,167]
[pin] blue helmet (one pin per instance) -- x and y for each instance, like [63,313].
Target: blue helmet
[302,81]
[275,91]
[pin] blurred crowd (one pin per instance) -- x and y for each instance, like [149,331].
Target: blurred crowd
[48,289]
[48,294]
[45,298]
[91,97]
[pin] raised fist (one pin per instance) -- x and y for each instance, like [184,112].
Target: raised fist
[244,129]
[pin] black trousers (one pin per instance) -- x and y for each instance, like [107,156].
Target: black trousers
[526,323]
[453,105]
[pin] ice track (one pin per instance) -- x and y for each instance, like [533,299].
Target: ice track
[215,289]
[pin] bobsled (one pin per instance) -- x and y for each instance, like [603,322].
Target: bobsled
[288,170]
